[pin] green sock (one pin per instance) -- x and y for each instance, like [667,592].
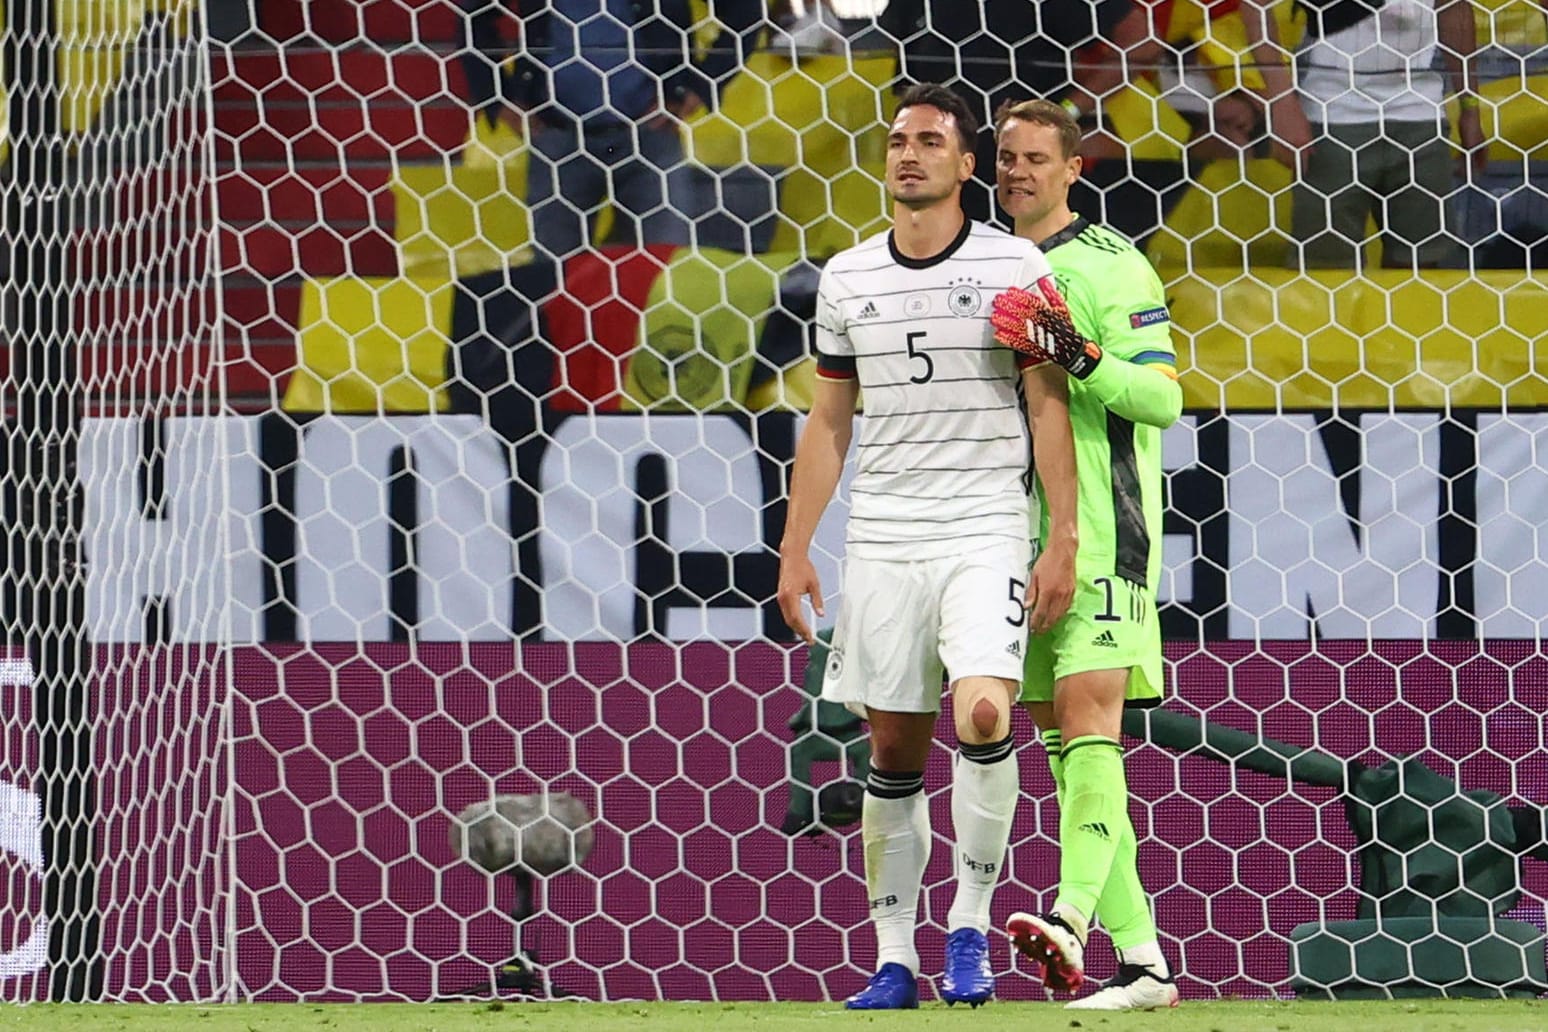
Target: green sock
[1124,908]
[1053,744]
[1091,819]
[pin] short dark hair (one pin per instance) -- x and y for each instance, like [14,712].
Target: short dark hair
[931,94]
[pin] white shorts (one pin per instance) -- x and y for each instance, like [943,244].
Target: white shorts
[902,625]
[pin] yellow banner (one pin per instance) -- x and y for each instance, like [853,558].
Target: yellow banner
[1388,338]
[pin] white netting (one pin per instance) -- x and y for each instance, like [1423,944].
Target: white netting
[118,831]
[370,510]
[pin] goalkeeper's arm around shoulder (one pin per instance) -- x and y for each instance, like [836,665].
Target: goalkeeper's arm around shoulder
[1142,388]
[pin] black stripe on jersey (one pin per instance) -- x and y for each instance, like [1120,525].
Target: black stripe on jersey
[1104,239]
[838,366]
[931,411]
[958,519]
[982,349]
[930,541]
[1007,258]
[877,295]
[943,469]
[943,317]
[924,497]
[1133,538]
[944,440]
[941,379]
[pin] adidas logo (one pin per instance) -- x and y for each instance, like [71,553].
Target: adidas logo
[1105,640]
[869,311]
[1096,828]
[1014,648]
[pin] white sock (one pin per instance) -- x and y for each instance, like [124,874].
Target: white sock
[1077,921]
[983,804]
[896,834]
[1146,955]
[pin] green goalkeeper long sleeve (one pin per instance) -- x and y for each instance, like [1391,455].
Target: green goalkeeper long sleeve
[1138,393]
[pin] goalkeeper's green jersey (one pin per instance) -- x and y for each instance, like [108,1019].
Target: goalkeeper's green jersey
[1116,299]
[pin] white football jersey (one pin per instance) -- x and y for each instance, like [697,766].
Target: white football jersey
[944,449]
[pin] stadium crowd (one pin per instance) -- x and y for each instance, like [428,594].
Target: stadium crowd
[1407,133]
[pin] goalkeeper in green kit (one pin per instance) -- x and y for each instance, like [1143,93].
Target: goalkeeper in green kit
[1104,320]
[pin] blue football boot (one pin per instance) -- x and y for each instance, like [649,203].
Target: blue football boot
[967,978]
[894,987]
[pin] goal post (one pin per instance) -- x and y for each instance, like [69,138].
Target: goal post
[44,596]
[117,762]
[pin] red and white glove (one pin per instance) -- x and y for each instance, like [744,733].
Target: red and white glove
[1038,323]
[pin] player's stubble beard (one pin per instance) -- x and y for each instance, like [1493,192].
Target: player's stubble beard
[919,202]
[936,197]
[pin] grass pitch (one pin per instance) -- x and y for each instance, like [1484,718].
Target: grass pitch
[1234,1016]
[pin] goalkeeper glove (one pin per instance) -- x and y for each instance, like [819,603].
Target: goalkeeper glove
[1038,323]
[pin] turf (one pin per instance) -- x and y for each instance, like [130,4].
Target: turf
[1393,1016]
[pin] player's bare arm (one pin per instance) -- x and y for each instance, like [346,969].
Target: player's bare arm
[1458,32]
[1051,585]
[819,461]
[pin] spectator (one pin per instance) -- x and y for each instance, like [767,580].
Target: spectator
[968,47]
[599,90]
[1368,77]
[1240,44]
[1216,71]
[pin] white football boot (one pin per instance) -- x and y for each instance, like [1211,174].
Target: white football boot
[1132,988]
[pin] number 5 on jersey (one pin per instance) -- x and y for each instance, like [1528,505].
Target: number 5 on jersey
[914,351]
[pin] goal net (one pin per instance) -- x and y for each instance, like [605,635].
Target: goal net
[338,502]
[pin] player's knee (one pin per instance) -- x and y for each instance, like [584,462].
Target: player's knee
[888,753]
[985,719]
[982,710]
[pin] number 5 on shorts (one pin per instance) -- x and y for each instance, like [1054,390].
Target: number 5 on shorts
[1018,591]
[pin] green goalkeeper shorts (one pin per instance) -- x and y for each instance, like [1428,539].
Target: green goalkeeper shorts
[1112,625]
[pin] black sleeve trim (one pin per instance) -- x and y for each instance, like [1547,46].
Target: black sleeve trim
[835,367]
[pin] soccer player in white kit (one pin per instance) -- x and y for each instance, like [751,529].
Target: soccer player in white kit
[936,570]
